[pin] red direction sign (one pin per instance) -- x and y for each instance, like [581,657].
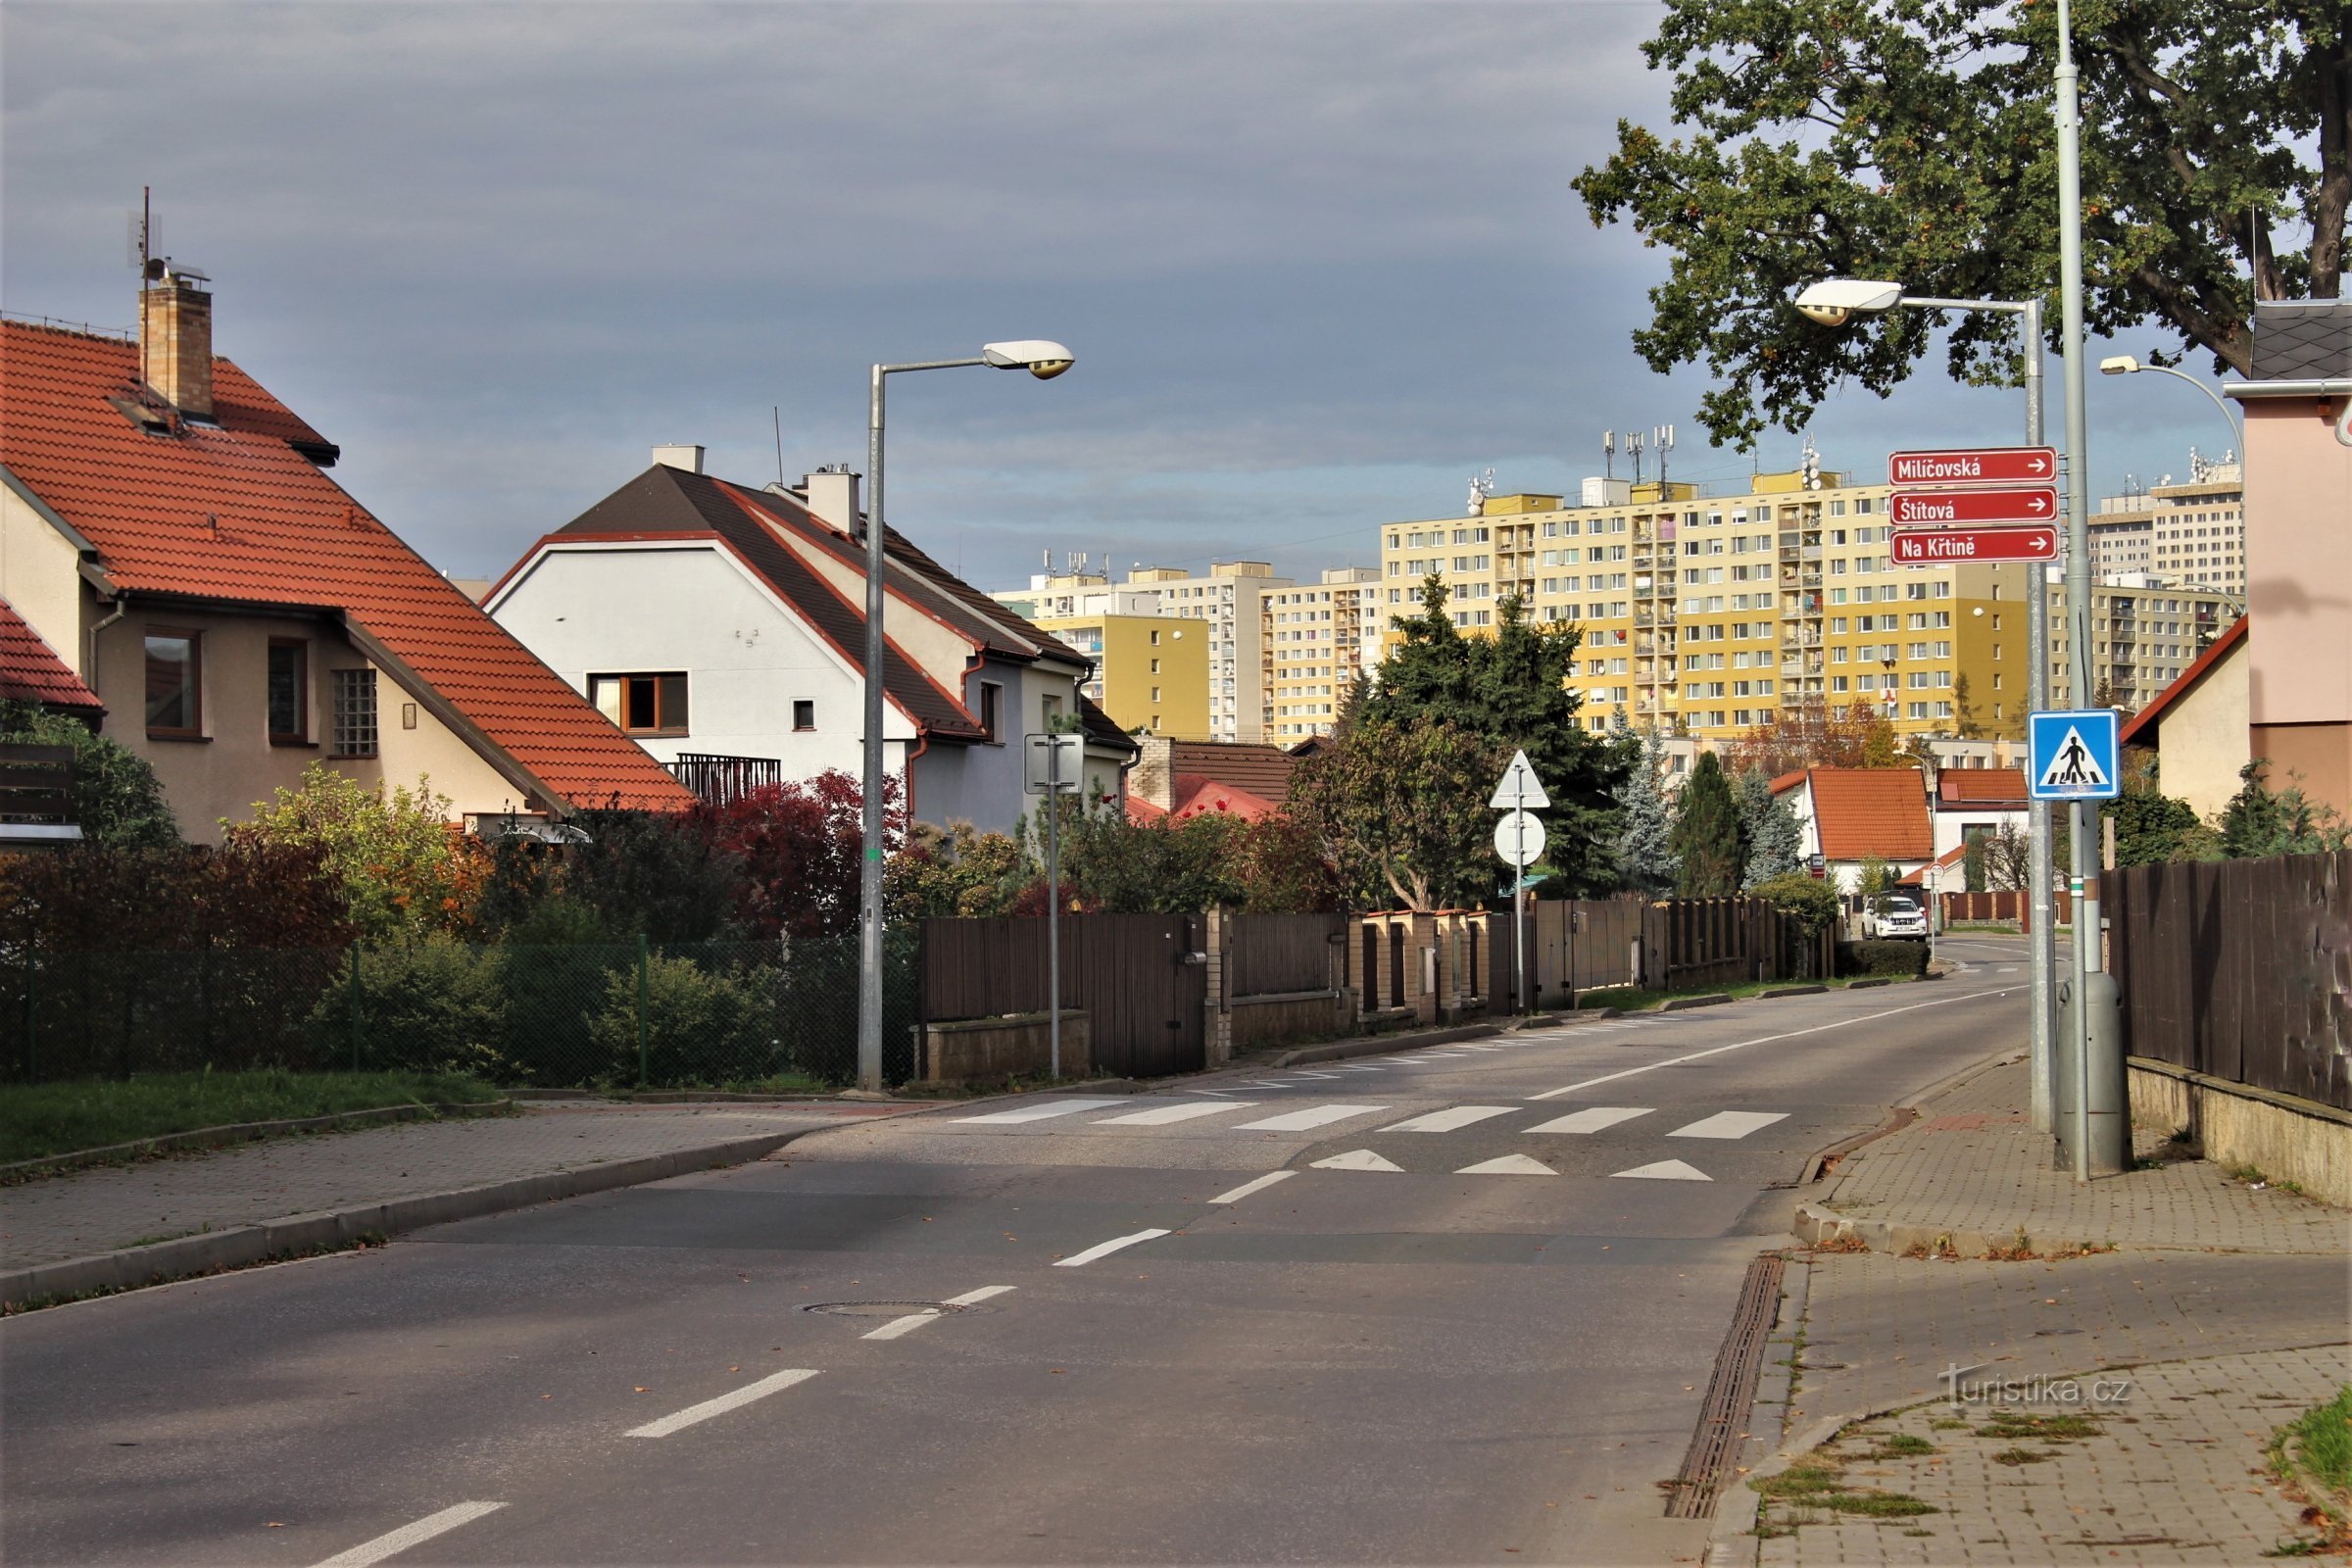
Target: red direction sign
[1975,465]
[1913,507]
[1935,547]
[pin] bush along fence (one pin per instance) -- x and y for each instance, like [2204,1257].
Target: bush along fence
[654,1015]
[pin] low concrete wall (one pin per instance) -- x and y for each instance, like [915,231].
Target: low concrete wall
[1273,1020]
[1017,1046]
[2287,1139]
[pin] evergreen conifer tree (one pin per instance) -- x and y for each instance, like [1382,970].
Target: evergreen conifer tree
[1707,837]
[1643,852]
[1774,839]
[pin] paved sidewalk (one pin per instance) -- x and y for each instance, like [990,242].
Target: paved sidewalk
[109,1206]
[1973,1162]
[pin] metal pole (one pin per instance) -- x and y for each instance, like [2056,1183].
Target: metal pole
[2077,560]
[870,870]
[355,1006]
[2043,917]
[645,1030]
[1054,889]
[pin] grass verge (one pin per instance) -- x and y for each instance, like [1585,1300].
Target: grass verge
[39,1121]
[2313,1453]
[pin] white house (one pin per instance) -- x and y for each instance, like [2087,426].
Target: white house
[723,628]
[1853,814]
[1976,802]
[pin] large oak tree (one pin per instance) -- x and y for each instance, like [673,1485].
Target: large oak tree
[1912,140]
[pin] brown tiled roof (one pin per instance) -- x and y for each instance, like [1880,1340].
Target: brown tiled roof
[1263,771]
[1981,786]
[238,511]
[1862,811]
[31,673]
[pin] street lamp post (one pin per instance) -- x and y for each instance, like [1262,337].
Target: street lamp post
[1040,359]
[1833,302]
[2128,365]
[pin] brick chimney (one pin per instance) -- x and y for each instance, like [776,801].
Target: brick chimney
[175,341]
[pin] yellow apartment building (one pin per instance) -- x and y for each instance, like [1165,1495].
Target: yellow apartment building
[1150,672]
[1226,600]
[1315,642]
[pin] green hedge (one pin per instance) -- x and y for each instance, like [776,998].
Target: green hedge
[1909,958]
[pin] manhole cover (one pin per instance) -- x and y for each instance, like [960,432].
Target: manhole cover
[882,1308]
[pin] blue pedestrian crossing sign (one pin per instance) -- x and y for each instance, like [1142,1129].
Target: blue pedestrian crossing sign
[2072,756]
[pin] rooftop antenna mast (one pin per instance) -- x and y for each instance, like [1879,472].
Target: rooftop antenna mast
[1662,438]
[143,247]
[1608,454]
[1633,446]
[777,409]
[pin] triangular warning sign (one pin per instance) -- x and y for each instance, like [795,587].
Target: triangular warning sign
[1355,1160]
[1508,1165]
[2073,765]
[1520,789]
[1668,1170]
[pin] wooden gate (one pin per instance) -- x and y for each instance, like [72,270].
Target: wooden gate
[1133,974]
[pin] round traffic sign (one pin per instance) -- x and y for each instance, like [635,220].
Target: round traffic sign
[1519,838]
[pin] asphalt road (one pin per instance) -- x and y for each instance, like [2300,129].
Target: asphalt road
[1457,1305]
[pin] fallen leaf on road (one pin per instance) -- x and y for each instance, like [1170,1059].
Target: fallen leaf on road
[641,1389]
[273,1525]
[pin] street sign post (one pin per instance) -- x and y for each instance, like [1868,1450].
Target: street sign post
[1054,766]
[1924,546]
[1519,840]
[2071,756]
[2012,504]
[1975,465]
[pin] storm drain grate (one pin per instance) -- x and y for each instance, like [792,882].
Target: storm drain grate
[883,1309]
[1731,1390]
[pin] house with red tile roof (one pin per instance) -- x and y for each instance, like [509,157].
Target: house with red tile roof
[2199,725]
[30,672]
[1853,814]
[723,627]
[1976,802]
[169,531]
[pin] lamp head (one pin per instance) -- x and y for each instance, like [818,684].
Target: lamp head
[1835,301]
[2120,364]
[1041,358]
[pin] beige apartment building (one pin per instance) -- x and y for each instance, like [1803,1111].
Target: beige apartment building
[2193,533]
[1227,598]
[1315,642]
[2144,631]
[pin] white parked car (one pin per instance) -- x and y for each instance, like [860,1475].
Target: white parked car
[1898,915]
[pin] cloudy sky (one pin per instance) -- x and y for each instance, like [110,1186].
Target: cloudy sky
[1319,262]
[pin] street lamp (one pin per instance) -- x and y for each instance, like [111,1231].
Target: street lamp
[2127,364]
[1834,301]
[1045,361]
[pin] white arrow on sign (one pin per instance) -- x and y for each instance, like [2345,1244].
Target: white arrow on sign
[1519,838]
[1520,789]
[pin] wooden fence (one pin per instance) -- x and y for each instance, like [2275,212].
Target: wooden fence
[1274,955]
[1138,977]
[2241,969]
[1721,942]
[2013,903]
[1593,936]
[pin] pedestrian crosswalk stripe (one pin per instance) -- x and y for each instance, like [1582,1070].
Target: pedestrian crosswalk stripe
[1446,1120]
[1355,1160]
[1592,1119]
[1046,1109]
[1730,1124]
[1667,1170]
[1508,1165]
[1314,1075]
[1298,1121]
[1482,1048]
[1163,1115]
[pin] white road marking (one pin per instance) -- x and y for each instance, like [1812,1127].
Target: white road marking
[1667,1170]
[1592,1119]
[1265,1083]
[1445,1122]
[1356,1159]
[915,1320]
[1479,1047]
[1761,1040]
[774,1383]
[1105,1249]
[1044,1108]
[1508,1165]
[1163,1115]
[1257,1186]
[1314,1075]
[1363,1066]
[1298,1121]
[407,1536]
[1730,1124]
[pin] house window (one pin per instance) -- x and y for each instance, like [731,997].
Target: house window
[992,704]
[175,678]
[1048,708]
[290,691]
[804,713]
[641,705]
[354,733]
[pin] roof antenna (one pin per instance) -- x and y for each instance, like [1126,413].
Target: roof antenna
[777,409]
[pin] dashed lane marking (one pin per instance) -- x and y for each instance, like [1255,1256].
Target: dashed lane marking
[774,1383]
[411,1534]
[1257,1186]
[1730,1124]
[1105,1249]
[915,1320]
[1298,1121]
[1592,1119]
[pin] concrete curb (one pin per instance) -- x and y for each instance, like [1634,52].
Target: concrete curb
[1817,1225]
[1794,991]
[1678,1004]
[127,1269]
[240,1132]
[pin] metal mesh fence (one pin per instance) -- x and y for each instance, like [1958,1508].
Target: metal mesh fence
[698,1014]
